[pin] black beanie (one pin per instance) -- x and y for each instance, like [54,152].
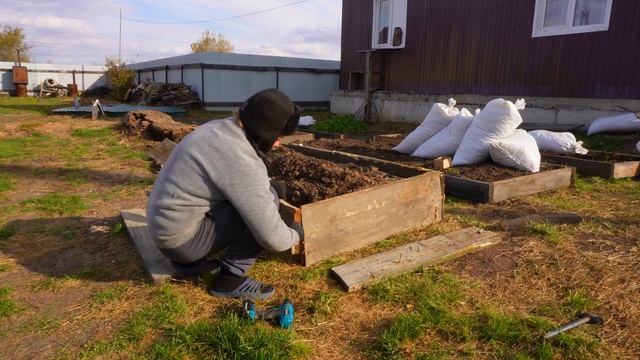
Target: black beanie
[267,115]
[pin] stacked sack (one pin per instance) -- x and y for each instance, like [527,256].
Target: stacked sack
[447,140]
[558,142]
[438,118]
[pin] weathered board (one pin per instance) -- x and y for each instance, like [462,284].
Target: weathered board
[354,220]
[159,266]
[289,215]
[297,137]
[531,184]
[357,274]
[161,152]
[605,169]
[566,218]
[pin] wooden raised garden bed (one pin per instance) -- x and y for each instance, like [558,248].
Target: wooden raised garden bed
[599,163]
[459,181]
[356,219]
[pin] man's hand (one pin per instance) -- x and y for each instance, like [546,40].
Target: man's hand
[280,187]
[298,228]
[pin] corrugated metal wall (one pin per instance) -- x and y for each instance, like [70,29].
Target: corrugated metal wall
[225,80]
[87,76]
[485,47]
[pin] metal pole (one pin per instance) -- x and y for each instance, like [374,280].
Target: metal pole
[367,87]
[120,40]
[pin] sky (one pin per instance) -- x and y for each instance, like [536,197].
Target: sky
[85,32]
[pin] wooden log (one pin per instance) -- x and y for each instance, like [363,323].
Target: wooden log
[354,220]
[158,266]
[566,218]
[359,273]
[160,153]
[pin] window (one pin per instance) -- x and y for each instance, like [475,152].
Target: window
[560,17]
[389,24]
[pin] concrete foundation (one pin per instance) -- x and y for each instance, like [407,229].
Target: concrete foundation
[412,108]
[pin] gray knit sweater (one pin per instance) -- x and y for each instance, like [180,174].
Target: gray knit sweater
[215,163]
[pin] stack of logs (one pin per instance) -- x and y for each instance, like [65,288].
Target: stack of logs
[163,94]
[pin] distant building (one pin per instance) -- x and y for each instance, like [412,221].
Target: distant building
[572,60]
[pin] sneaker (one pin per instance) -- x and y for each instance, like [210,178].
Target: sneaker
[248,289]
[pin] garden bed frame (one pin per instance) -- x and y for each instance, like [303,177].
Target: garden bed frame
[479,191]
[605,169]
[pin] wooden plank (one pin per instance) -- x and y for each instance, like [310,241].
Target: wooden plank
[298,137]
[531,184]
[565,218]
[605,169]
[388,138]
[390,167]
[585,167]
[357,274]
[161,152]
[324,134]
[626,169]
[354,220]
[289,215]
[474,190]
[158,266]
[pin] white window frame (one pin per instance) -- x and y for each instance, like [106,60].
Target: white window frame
[540,30]
[398,18]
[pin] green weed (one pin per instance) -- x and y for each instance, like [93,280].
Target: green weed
[6,183]
[341,124]
[125,153]
[319,270]
[7,306]
[109,295]
[6,232]
[96,133]
[228,338]
[576,301]
[546,229]
[160,313]
[323,303]
[58,204]
[5,267]
[23,146]
[391,242]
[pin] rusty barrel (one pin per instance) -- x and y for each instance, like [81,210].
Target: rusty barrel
[21,90]
[73,89]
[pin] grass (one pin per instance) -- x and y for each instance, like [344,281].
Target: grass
[319,270]
[24,146]
[323,304]
[6,183]
[5,267]
[548,230]
[109,295]
[341,124]
[58,204]
[95,133]
[7,306]
[438,308]
[228,338]
[30,105]
[609,142]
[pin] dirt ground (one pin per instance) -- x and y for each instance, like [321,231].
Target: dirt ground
[72,285]
[309,179]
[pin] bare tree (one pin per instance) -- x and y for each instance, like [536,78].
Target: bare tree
[209,42]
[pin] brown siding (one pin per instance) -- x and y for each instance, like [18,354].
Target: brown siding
[485,47]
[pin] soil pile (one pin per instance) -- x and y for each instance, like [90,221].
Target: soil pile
[155,125]
[309,179]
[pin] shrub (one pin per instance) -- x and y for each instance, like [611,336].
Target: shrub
[120,77]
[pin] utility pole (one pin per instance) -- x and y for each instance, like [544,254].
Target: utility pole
[120,40]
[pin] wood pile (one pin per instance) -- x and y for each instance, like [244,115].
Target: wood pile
[163,94]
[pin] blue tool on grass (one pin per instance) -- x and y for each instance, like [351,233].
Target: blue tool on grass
[282,314]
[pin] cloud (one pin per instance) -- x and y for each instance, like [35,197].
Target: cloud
[85,32]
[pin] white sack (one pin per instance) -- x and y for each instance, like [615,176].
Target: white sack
[638,146]
[558,142]
[438,118]
[621,123]
[306,121]
[497,120]
[519,151]
[446,142]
